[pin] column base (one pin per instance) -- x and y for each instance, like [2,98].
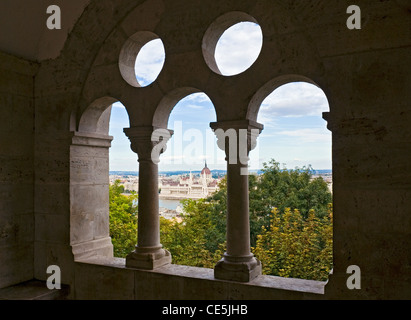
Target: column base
[240,269]
[148,259]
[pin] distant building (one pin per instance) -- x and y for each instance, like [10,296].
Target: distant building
[129,183]
[189,187]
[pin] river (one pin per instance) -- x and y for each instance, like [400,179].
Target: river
[169,204]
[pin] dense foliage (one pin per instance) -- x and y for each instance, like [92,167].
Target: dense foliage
[192,242]
[296,247]
[277,188]
[290,224]
[123,220]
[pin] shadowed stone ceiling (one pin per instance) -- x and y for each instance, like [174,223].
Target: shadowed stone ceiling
[23,30]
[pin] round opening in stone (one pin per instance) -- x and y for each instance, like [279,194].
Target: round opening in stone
[238,48]
[232,43]
[149,63]
[141,59]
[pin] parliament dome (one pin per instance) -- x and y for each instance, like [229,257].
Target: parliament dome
[206,170]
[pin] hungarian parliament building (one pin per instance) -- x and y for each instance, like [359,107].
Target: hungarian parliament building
[188,186]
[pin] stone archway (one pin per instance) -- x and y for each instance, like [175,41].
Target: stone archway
[89,182]
[269,87]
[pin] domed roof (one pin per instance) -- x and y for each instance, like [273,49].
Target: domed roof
[206,171]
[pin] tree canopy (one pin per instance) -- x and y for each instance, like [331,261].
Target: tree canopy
[123,220]
[281,189]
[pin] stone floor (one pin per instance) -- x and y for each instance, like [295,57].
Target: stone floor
[33,290]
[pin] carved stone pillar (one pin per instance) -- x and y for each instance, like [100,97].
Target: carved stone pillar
[89,185]
[148,143]
[237,139]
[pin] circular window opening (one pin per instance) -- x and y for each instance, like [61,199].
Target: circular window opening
[232,44]
[142,59]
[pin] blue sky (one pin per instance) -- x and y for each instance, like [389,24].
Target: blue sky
[295,133]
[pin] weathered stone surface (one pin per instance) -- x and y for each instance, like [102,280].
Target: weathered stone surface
[53,187]
[33,290]
[16,169]
[241,272]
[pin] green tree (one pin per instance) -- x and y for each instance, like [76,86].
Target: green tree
[295,189]
[123,220]
[296,247]
[277,188]
[195,240]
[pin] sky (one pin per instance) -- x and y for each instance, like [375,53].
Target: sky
[294,134]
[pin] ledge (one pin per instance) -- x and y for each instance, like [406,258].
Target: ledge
[91,140]
[33,290]
[264,281]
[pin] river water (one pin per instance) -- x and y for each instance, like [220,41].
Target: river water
[169,204]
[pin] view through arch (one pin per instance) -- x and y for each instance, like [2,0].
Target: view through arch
[294,186]
[294,129]
[123,190]
[190,153]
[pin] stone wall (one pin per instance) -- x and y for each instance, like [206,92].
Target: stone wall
[47,178]
[102,279]
[16,169]
[371,176]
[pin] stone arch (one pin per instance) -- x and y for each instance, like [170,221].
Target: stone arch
[89,182]
[167,104]
[272,85]
[95,119]
[269,87]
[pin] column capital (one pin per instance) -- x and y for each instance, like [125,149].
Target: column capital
[144,140]
[237,125]
[237,138]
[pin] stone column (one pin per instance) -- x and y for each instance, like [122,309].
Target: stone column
[148,143]
[237,139]
[89,205]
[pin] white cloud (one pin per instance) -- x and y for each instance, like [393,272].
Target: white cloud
[308,135]
[198,97]
[150,62]
[194,106]
[238,48]
[294,100]
[195,101]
